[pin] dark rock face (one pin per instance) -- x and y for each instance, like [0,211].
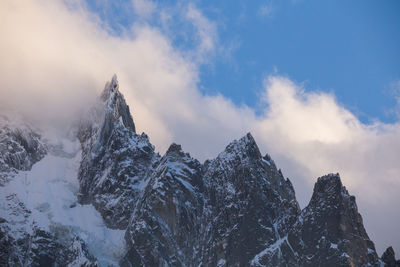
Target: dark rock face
[165,226]
[20,148]
[248,202]
[330,231]
[210,215]
[115,160]
[389,259]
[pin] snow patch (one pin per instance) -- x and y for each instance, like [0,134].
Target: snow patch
[49,191]
[267,162]
[334,246]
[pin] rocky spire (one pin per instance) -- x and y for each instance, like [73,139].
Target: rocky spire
[251,206]
[330,231]
[116,107]
[244,147]
[114,158]
[389,259]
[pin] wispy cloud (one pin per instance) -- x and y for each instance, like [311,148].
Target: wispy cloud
[206,31]
[395,87]
[266,10]
[144,8]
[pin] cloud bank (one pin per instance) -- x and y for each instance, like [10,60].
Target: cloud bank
[56,57]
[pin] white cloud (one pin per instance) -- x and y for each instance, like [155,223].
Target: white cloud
[266,10]
[395,86]
[144,8]
[56,58]
[206,31]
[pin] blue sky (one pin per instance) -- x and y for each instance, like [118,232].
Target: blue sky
[348,48]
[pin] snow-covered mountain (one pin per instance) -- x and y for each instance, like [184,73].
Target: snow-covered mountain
[102,196]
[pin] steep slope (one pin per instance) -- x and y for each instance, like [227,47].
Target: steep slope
[165,227]
[221,213]
[389,259]
[249,205]
[330,231]
[115,160]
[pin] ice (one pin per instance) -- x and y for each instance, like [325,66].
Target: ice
[49,191]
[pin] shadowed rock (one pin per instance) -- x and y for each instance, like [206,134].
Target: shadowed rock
[115,160]
[330,231]
[389,259]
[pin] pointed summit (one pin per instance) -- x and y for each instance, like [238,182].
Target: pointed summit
[388,257]
[174,148]
[114,81]
[329,188]
[116,108]
[244,147]
[111,87]
[248,140]
[110,146]
[331,223]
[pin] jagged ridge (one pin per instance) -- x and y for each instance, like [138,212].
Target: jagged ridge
[234,210]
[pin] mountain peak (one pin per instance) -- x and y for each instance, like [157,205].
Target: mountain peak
[248,139]
[114,158]
[332,224]
[244,146]
[329,185]
[111,86]
[388,257]
[174,148]
[111,89]
[116,107]
[114,81]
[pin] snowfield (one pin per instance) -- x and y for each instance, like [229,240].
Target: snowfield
[49,191]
